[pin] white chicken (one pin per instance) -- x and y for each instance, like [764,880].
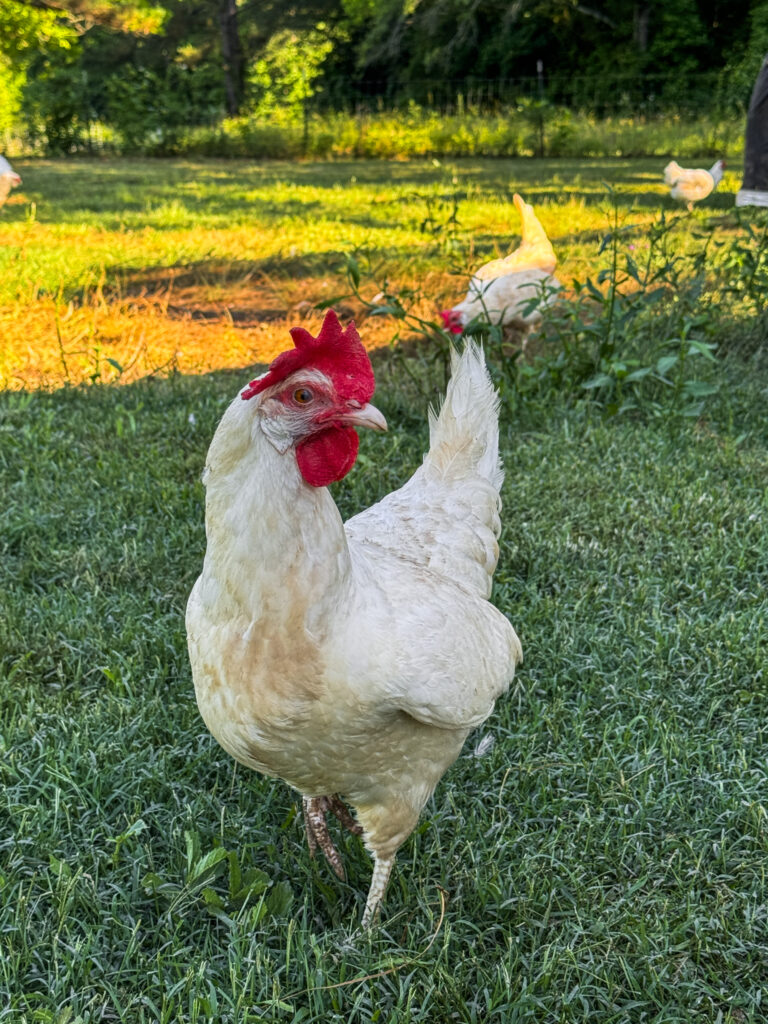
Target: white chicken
[350,660]
[502,291]
[8,179]
[689,185]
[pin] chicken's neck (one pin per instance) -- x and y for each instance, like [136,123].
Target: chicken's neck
[268,531]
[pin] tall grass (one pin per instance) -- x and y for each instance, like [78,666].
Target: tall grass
[518,131]
[525,130]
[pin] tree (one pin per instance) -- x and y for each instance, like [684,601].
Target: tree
[232,55]
[25,32]
[136,16]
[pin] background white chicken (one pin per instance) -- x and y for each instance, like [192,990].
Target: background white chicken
[350,660]
[501,292]
[689,185]
[8,179]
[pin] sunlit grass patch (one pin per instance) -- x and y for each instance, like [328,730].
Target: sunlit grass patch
[118,260]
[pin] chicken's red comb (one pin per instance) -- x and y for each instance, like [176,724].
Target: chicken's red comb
[336,352]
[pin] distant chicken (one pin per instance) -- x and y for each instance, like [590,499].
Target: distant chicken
[8,179]
[691,185]
[501,292]
[350,660]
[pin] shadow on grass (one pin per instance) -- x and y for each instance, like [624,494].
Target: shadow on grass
[116,188]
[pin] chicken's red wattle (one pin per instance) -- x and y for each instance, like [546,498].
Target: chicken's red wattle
[328,456]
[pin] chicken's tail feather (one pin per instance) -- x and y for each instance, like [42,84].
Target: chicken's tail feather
[531,228]
[464,434]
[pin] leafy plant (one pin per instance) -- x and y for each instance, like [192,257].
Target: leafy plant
[637,335]
[283,79]
[743,267]
[241,886]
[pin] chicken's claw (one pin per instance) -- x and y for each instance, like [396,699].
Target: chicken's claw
[316,827]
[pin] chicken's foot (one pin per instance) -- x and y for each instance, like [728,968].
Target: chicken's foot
[315,810]
[381,871]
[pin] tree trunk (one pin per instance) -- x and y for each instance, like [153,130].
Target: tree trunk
[642,17]
[232,55]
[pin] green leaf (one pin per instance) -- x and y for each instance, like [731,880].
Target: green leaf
[212,899]
[353,270]
[665,363]
[638,374]
[208,863]
[632,270]
[155,884]
[699,388]
[254,882]
[594,291]
[192,844]
[390,310]
[60,868]
[704,347]
[279,899]
[235,875]
[598,381]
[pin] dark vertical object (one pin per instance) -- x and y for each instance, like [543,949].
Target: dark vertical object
[232,55]
[754,190]
[540,79]
[305,119]
[641,21]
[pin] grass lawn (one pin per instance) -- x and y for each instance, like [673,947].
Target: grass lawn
[201,265]
[604,860]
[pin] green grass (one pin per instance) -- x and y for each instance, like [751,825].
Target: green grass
[604,862]
[100,221]
[520,130]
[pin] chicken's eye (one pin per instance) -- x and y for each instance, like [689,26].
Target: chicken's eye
[302,396]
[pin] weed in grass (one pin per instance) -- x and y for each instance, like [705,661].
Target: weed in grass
[637,337]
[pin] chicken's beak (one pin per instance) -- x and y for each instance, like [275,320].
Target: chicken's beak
[367,416]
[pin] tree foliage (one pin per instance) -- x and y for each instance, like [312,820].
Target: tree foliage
[147,67]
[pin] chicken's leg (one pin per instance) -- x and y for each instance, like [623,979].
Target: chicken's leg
[381,870]
[315,810]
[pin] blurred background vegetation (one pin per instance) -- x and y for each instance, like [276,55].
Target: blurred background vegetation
[377,77]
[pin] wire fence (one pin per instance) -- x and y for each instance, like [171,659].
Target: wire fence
[648,95]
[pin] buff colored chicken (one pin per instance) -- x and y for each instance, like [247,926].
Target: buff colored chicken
[501,292]
[691,185]
[350,660]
